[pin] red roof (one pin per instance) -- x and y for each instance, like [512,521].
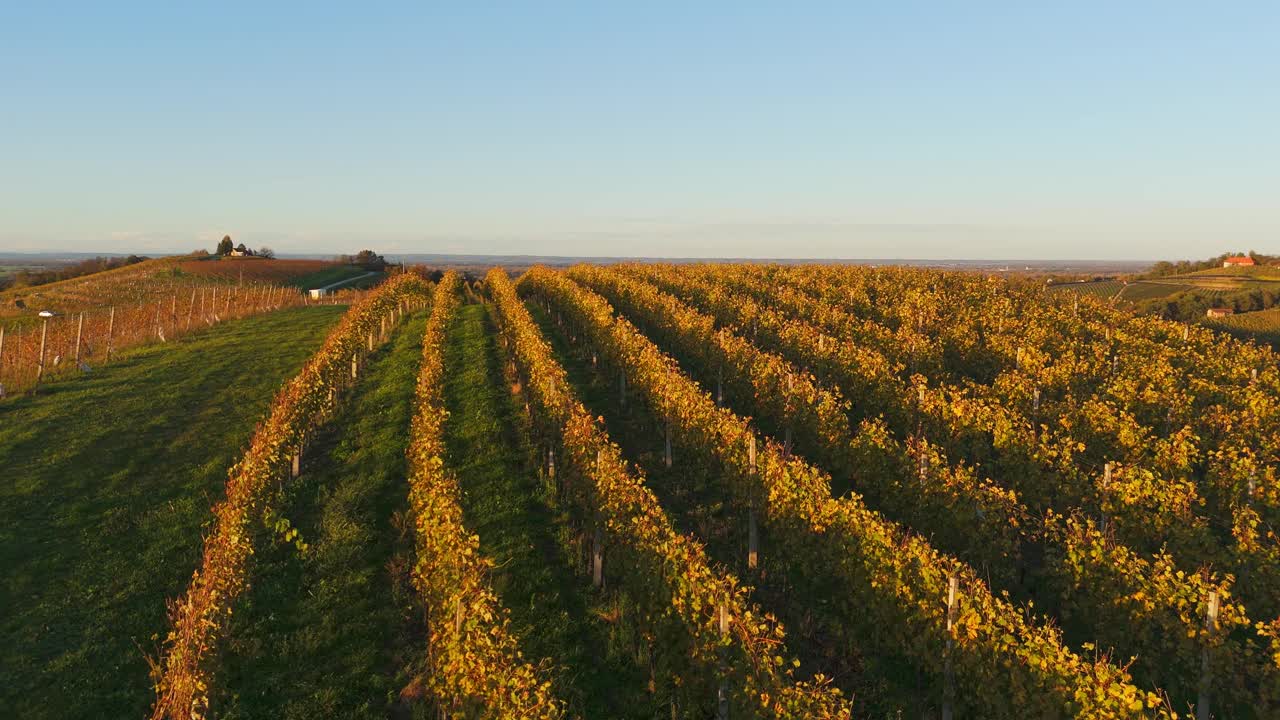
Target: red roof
[1240,260]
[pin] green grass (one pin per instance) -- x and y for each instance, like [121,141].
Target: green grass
[554,611]
[330,632]
[327,276]
[109,479]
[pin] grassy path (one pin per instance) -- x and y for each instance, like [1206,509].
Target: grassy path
[325,633]
[554,611]
[107,481]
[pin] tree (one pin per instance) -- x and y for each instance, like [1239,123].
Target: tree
[369,260]
[243,250]
[224,247]
[266,252]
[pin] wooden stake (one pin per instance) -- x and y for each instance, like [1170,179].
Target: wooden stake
[296,469]
[597,559]
[668,444]
[753,540]
[44,331]
[722,695]
[111,326]
[79,333]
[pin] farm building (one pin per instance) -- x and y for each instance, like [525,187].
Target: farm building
[317,293]
[1219,312]
[1238,261]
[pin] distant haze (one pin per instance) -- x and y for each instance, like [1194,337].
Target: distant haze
[1092,130]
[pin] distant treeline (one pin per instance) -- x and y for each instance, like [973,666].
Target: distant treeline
[1179,267]
[29,278]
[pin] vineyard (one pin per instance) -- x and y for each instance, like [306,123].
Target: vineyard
[92,318]
[685,491]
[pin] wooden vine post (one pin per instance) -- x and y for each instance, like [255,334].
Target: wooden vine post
[296,467]
[722,695]
[597,558]
[949,680]
[1211,629]
[111,326]
[753,533]
[1106,487]
[44,331]
[79,334]
[668,445]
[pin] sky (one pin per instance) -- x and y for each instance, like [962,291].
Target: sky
[1124,129]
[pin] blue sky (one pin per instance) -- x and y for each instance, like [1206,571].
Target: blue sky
[1113,130]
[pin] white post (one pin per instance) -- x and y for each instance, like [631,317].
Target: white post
[1211,629]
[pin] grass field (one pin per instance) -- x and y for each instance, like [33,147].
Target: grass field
[326,633]
[327,276]
[109,481]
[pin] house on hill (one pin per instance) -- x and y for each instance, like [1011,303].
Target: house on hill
[1238,261]
[1219,312]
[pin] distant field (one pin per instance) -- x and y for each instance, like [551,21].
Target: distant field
[1102,288]
[280,272]
[326,276]
[1263,272]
